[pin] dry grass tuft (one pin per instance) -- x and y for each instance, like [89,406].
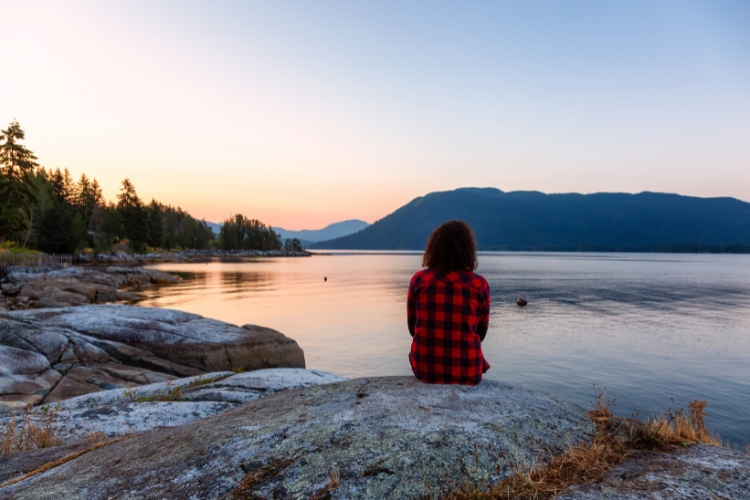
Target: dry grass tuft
[674,428]
[334,477]
[30,434]
[36,431]
[589,462]
[254,477]
[172,393]
[334,481]
[205,381]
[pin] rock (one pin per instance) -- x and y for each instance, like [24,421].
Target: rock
[105,294]
[50,302]
[45,288]
[126,296]
[124,411]
[19,401]
[93,348]
[521,302]
[15,361]
[54,297]
[385,437]
[700,471]
[18,464]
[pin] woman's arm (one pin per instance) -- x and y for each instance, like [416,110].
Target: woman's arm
[482,330]
[411,309]
[484,311]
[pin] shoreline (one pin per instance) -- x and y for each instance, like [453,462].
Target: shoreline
[200,256]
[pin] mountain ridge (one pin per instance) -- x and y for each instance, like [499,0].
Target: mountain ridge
[532,220]
[331,231]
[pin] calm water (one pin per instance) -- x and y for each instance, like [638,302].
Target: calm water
[655,330]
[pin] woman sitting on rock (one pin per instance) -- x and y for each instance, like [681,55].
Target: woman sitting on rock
[448,310]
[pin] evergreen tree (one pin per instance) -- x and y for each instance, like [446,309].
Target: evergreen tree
[134,216]
[156,224]
[62,186]
[292,245]
[112,227]
[241,233]
[86,195]
[17,165]
[77,236]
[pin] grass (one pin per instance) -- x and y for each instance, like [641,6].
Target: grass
[676,428]
[206,380]
[589,462]
[29,435]
[252,478]
[33,432]
[172,392]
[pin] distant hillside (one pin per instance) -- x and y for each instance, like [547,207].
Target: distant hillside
[530,220]
[335,230]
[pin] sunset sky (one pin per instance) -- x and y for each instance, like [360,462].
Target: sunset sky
[304,113]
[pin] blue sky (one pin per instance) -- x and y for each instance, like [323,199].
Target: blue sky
[305,113]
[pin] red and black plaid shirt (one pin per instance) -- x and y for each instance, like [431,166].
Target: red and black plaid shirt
[448,315]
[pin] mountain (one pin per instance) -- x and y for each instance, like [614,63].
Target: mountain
[530,220]
[331,231]
[215,227]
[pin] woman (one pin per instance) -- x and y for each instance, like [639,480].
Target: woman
[448,310]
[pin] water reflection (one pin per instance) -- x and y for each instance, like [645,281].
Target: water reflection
[648,327]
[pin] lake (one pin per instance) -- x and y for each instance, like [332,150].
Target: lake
[654,330]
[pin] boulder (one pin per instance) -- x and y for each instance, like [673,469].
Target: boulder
[94,348]
[383,437]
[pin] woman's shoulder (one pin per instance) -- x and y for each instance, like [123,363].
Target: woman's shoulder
[423,274]
[475,279]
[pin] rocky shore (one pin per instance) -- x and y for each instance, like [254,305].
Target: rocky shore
[182,256]
[30,288]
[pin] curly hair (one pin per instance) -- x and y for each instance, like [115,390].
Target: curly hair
[451,247]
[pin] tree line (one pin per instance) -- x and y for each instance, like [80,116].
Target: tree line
[47,210]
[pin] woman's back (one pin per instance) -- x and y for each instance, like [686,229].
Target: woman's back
[448,317]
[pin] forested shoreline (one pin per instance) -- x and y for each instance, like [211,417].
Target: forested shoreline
[47,210]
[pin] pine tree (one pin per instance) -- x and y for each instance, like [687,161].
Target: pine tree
[156,224]
[134,216]
[17,165]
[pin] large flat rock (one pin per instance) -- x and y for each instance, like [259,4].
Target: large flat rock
[53,354]
[385,437]
[115,413]
[167,404]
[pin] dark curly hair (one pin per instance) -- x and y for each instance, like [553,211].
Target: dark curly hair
[451,247]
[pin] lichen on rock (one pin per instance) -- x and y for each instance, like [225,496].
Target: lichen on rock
[387,437]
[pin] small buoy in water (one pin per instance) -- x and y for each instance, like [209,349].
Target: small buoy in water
[325,278]
[521,302]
